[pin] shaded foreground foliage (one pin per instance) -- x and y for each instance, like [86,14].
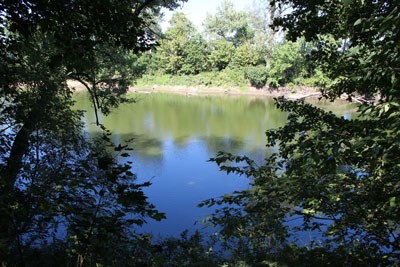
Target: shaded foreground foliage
[335,177]
[319,181]
[65,200]
[63,196]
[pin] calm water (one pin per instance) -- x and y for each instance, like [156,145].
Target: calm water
[175,136]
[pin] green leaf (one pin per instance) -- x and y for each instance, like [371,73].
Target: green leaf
[358,22]
[392,202]
[386,107]
[347,2]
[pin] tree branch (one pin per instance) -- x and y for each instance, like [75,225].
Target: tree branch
[142,6]
[92,94]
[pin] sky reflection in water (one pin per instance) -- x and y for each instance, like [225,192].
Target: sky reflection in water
[173,139]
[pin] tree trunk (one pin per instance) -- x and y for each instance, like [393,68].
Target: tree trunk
[19,149]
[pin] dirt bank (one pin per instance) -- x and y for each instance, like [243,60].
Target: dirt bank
[299,92]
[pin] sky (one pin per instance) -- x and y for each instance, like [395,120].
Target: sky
[196,10]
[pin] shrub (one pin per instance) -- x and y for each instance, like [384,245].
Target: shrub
[230,77]
[257,75]
[225,78]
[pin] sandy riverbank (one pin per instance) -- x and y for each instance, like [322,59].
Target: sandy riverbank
[299,92]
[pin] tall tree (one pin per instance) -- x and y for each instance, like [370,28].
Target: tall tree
[183,50]
[229,24]
[356,42]
[287,62]
[221,53]
[245,55]
[263,13]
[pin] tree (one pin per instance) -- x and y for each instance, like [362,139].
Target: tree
[337,177]
[106,204]
[245,55]
[350,42]
[72,46]
[195,56]
[107,77]
[183,50]
[42,45]
[229,24]
[77,25]
[257,75]
[263,13]
[221,53]
[287,62]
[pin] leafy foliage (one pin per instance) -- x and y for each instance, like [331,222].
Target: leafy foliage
[231,43]
[107,77]
[234,40]
[107,203]
[225,78]
[333,176]
[221,54]
[287,63]
[245,55]
[183,51]
[262,14]
[52,178]
[356,42]
[330,175]
[256,75]
[78,26]
[229,24]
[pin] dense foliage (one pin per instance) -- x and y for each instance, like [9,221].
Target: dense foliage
[57,186]
[256,75]
[232,42]
[336,177]
[182,51]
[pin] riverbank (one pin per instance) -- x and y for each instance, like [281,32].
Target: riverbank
[297,93]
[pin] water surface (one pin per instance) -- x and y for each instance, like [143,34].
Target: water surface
[175,136]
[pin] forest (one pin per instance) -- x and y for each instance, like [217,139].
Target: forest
[67,200]
[235,48]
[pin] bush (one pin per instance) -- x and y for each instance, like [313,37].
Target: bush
[273,82]
[149,80]
[257,76]
[230,77]
[225,78]
[245,55]
[206,78]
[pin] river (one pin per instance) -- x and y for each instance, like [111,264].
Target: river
[174,136]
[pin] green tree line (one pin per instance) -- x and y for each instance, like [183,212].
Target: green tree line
[236,48]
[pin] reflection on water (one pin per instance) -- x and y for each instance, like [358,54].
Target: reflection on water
[173,138]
